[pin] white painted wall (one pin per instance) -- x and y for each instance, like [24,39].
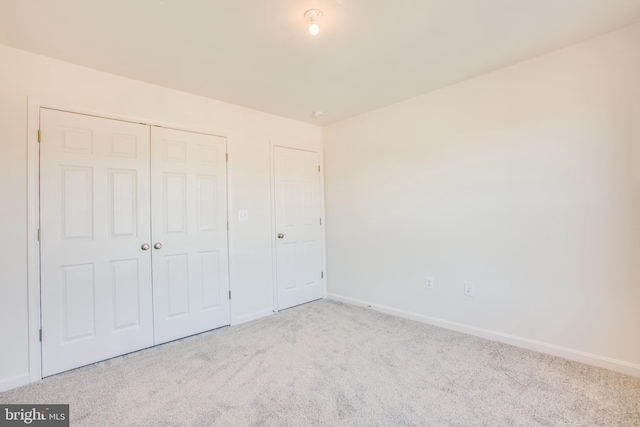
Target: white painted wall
[25,75]
[525,181]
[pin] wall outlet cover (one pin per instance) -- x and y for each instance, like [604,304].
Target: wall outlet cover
[430,282]
[469,289]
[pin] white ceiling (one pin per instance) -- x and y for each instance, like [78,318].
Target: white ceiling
[259,54]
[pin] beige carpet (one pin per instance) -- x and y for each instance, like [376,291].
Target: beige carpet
[331,364]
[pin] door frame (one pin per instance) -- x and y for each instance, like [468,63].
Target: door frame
[33,208]
[314,146]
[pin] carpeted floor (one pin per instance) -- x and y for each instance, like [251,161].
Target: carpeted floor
[330,364]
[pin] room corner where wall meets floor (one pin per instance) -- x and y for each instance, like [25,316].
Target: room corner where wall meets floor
[541,347]
[328,363]
[524,183]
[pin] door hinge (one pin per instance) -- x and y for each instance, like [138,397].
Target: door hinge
[318,168]
[320,221]
[322,274]
[229,294]
[39,135]
[227,157]
[227,225]
[40,335]
[38,234]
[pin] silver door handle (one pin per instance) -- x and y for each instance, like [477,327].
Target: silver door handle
[280,236]
[145,247]
[157,245]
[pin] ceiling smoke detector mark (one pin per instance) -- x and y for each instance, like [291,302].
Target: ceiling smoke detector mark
[318,114]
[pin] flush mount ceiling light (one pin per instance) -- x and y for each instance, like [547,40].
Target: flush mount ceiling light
[313,15]
[318,114]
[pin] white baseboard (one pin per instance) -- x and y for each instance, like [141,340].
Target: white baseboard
[251,316]
[539,346]
[14,382]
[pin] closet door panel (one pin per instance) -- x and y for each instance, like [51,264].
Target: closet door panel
[189,215]
[96,291]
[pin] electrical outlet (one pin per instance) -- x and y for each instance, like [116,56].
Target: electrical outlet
[243,215]
[468,289]
[429,282]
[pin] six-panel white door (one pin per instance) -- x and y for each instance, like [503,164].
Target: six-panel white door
[297,216]
[96,288]
[190,275]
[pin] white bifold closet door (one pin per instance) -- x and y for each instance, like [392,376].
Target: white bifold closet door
[111,192]
[188,200]
[96,290]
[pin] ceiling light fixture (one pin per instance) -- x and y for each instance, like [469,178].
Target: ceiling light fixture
[313,15]
[318,114]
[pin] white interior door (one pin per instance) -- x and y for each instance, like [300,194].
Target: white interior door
[95,277]
[189,217]
[298,239]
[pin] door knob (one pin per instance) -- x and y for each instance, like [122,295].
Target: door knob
[157,245]
[280,236]
[145,247]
